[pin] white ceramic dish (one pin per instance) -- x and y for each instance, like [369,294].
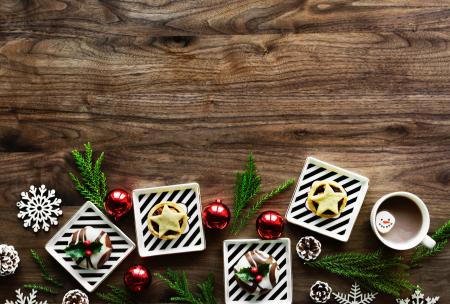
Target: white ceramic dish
[339,227]
[193,238]
[90,215]
[280,249]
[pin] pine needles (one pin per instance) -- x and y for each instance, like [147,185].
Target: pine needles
[178,282]
[372,270]
[93,185]
[116,295]
[441,236]
[45,275]
[246,188]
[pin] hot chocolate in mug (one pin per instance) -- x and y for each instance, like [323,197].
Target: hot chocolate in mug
[401,221]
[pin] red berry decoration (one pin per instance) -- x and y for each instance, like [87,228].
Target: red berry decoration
[88,252]
[87,243]
[254,270]
[216,215]
[137,278]
[118,203]
[269,225]
[258,278]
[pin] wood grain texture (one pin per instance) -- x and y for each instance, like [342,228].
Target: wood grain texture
[181,91]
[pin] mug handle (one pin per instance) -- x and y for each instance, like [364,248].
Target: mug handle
[428,242]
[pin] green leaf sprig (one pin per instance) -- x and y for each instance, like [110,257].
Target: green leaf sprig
[177,281]
[246,188]
[93,181]
[441,236]
[116,295]
[246,276]
[78,250]
[45,275]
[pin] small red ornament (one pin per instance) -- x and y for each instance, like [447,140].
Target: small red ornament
[137,278]
[88,252]
[269,225]
[118,203]
[87,243]
[216,215]
[254,270]
[258,278]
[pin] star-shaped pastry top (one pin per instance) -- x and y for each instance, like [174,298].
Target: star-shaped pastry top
[168,220]
[328,200]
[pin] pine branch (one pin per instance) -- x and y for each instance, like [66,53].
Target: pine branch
[371,270]
[260,202]
[40,287]
[177,281]
[116,295]
[441,236]
[45,274]
[93,185]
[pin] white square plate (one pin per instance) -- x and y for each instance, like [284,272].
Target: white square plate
[193,239]
[90,215]
[280,249]
[340,227]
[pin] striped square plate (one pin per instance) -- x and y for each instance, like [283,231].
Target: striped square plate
[193,239]
[339,227]
[90,215]
[280,249]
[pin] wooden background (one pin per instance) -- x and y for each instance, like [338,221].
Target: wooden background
[181,91]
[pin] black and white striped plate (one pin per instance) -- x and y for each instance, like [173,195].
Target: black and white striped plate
[339,227]
[90,215]
[280,249]
[193,239]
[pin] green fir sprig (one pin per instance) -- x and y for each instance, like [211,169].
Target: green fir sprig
[93,181]
[178,282]
[372,270]
[41,288]
[45,274]
[441,236]
[246,188]
[116,295]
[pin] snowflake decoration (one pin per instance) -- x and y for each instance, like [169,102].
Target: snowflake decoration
[39,208]
[418,298]
[355,296]
[21,299]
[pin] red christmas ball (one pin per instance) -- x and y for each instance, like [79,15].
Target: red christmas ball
[216,215]
[137,278]
[269,225]
[118,203]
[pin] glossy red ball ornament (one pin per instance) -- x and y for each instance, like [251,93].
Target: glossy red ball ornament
[216,215]
[118,203]
[137,278]
[269,225]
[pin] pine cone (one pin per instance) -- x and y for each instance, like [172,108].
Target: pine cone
[320,292]
[308,248]
[9,260]
[75,296]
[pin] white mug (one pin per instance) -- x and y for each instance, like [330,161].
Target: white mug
[421,236]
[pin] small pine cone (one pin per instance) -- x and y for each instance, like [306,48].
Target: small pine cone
[75,296]
[308,248]
[9,260]
[320,292]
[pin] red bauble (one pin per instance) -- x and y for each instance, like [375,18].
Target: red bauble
[269,225]
[137,278]
[118,203]
[216,215]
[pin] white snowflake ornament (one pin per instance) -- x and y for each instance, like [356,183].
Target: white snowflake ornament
[21,299]
[39,208]
[355,296]
[418,298]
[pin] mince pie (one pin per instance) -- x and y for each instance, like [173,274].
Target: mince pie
[167,220]
[326,199]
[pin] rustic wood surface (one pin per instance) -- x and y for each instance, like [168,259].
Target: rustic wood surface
[181,91]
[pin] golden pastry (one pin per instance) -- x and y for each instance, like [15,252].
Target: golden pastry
[327,199]
[167,220]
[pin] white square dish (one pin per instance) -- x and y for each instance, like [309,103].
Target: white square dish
[90,215]
[339,227]
[193,239]
[280,249]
